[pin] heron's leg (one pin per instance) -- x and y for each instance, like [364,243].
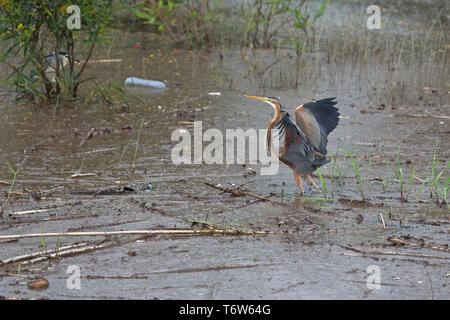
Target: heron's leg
[312,181]
[298,179]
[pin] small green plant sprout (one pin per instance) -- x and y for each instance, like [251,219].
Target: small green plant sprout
[386,182]
[391,212]
[14,172]
[434,181]
[435,185]
[123,153]
[444,192]
[336,174]
[42,239]
[439,190]
[319,201]
[411,179]
[358,176]
[137,144]
[400,174]
[324,184]
[400,180]
[421,188]
[58,242]
[81,166]
[436,189]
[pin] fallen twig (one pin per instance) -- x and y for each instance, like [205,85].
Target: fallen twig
[21,213]
[245,193]
[134,232]
[82,175]
[223,173]
[408,254]
[417,255]
[423,116]
[242,184]
[382,220]
[172,271]
[69,252]
[40,253]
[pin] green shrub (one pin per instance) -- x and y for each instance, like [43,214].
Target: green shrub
[35,29]
[192,22]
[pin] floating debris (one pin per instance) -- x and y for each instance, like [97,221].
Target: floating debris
[133,81]
[82,175]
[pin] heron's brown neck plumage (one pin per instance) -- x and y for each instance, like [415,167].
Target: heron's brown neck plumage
[272,123]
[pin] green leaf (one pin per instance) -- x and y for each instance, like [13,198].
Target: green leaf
[319,12]
[11,169]
[142,15]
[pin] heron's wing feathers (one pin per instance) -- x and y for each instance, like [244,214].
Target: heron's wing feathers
[295,140]
[317,119]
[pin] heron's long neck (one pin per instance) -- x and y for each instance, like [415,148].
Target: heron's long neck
[272,123]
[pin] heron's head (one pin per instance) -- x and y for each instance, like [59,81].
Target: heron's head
[274,102]
[63,57]
[63,53]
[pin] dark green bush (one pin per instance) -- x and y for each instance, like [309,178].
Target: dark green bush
[34,29]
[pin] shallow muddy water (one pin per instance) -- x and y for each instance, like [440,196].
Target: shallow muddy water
[318,250]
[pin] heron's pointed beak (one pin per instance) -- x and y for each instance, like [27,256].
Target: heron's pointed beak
[257,98]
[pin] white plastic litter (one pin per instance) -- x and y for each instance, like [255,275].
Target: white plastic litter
[214,93]
[133,81]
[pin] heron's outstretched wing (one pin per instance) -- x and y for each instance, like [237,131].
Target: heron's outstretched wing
[317,119]
[295,140]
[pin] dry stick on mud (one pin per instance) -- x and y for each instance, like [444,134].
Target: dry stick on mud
[391,253]
[423,116]
[136,232]
[69,252]
[245,193]
[40,253]
[242,184]
[382,220]
[20,213]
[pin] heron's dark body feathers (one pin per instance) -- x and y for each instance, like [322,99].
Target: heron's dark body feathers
[295,148]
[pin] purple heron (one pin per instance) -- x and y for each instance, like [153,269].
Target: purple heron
[304,148]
